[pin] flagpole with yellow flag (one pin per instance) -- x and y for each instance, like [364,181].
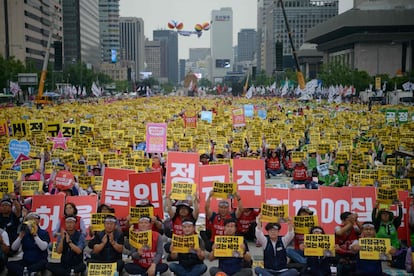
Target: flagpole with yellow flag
[246,84]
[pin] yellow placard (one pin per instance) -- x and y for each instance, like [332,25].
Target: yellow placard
[228,246]
[386,196]
[184,244]
[298,156]
[28,166]
[319,245]
[272,213]
[30,188]
[6,186]
[224,189]
[97,221]
[374,249]
[97,183]
[100,269]
[304,223]
[10,174]
[141,239]
[137,212]
[55,255]
[183,191]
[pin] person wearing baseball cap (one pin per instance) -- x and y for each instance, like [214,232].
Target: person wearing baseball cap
[191,263]
[34,243]
[10,217]
[107,245]
[274,248]
[148,259]
[70,244]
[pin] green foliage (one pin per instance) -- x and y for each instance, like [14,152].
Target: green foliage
[203,82]
[9,68]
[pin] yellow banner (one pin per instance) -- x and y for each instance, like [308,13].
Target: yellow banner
[97,221]
[374,249]
[100,269]
[228,246]
[136,212]
[386,196]
[183,191]
[304,223]
[272,213]
[224,189]
[29,188]
[184,244]
[141,239]
[319,245]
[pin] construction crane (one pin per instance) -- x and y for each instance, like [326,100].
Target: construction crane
[299,74]
[40,99]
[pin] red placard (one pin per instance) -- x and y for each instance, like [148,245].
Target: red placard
[50,209]
[363,201]
[276,196]
[147,186]
[115,190]
[181,167]
[208,175]
[238,117]
[249,176]
[333,202]
[86,205]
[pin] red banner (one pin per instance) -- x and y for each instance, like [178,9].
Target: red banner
[190,122]
[249,176]
[115,190]
[208,175]
[86,205]
[50,209]
[146,186]
[333,203]
[181,167]
[277,196]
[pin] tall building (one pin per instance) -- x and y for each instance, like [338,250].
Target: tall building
[221,43]
[301,15]
[263,33]
[80,32]
[246,44]
[25,27]
[109,29]
[132,43]
[197,54]
[169,54]
[153,58]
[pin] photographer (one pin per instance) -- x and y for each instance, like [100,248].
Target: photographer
[34,242]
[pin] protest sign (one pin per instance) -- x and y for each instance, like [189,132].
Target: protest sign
[208,175]
[49,208]
[97,221]
[249,176]
[239,119]
[140,239]
[6,186]
[224,189]
[29,188]
[228,246]
[55,255]
[304,223]
[156,137]
[181,167]
[374,249]
[271,213]
[184,244]
[319,245]
[183,191]
[386,195]
[136,213]
[99,269]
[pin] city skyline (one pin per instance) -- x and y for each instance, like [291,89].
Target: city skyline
[192,12]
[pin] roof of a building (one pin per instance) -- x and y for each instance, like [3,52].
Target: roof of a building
[357,21]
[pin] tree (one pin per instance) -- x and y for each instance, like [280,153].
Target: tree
[9,68]
[203,82]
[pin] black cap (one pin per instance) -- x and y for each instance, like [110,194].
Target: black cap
[230,220]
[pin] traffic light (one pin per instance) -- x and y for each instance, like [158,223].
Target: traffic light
[57,45]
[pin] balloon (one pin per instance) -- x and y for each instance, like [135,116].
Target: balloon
[64,180]
[179,25]
[220,273]
[206,26]
[171,24]
[198,27]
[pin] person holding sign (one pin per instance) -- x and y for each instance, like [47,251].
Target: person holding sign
[274,163]
[274,249]
[216,220]
[232,266]
[300,174]
[332,178]
[191,263]
[70,244]
[317,265]
[34,242]
[70,210]
[147,258]
[107,245]
[386,225]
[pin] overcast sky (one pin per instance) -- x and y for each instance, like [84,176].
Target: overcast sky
[157,13]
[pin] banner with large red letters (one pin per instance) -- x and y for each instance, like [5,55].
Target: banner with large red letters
[208,175]
[181,167]
[146,186]
[50,209]
[250,178]
[115,190]
[86,205]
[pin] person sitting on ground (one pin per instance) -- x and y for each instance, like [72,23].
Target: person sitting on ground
[70,210]
[191,263]
[274,163]
[386,225]
[246,223]
[70,244]
[300,176]
[232,266]
[316,265]
[331,179]
[274,249]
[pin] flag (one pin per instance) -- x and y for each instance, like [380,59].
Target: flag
[249,93]
[95,90]
[285,87]
[14,88]
[408,86]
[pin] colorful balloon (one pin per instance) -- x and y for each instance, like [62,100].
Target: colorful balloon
[179,25]
[171,24]
[206,26]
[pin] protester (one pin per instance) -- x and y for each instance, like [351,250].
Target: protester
[34,242]
[107,245]
[274,249]
[70,210]
[246,223]
[386,225]
[5,248]
[191,263]
[331,179]
[232,266]
[300,176]
[317,265]
[148,259]
[216,220]
[274,163]
[10,214]
[70,244]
